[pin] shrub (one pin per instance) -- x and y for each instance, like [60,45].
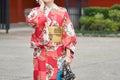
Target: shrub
[86,21]
[91,11]
[99,16]
[98,22]
[101,19]
[117,7]
[105,25]
[114,15]
[115,26]
[110,25]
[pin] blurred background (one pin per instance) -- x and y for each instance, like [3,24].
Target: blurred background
[97,26]
[88,16]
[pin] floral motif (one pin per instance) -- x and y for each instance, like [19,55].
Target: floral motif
[49,71]
[50,55]
[60,61]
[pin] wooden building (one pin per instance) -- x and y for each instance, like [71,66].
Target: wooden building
[17,7]
[103,3]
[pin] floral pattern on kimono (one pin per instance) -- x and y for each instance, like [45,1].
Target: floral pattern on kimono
[50,55]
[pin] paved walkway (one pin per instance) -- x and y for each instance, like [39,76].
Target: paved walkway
[96,58]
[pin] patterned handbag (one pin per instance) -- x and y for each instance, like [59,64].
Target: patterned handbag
[66,73]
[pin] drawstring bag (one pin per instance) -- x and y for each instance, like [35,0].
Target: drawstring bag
[66,73]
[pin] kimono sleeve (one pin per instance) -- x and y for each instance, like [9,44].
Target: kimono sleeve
[33,16]
[69,36]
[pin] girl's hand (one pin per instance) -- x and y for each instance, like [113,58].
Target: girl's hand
[68,57]
[41,3]
[35,52]
[67,60]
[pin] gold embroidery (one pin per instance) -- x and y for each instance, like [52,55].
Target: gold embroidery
[55,33]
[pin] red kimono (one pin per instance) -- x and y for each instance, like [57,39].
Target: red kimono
[50,55]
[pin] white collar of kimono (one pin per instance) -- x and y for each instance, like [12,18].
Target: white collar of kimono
[47,9]
[54,6]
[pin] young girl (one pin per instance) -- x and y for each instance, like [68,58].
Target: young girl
[53,39]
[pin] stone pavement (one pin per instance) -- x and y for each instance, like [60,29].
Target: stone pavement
[96,58]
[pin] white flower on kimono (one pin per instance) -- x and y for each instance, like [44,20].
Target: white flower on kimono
[55,23]
[49,71]
[32,15]
[46,36]
[70,30]
[60,61]
[48,22]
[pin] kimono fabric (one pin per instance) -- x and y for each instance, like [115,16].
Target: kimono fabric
[49,55]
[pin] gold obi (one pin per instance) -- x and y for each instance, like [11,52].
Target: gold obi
[55,33]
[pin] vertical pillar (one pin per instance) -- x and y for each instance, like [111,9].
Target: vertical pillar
[19,10]
[67,4]
[3,14]
[80,11]
[0,13]
[80,7]
[7,16]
